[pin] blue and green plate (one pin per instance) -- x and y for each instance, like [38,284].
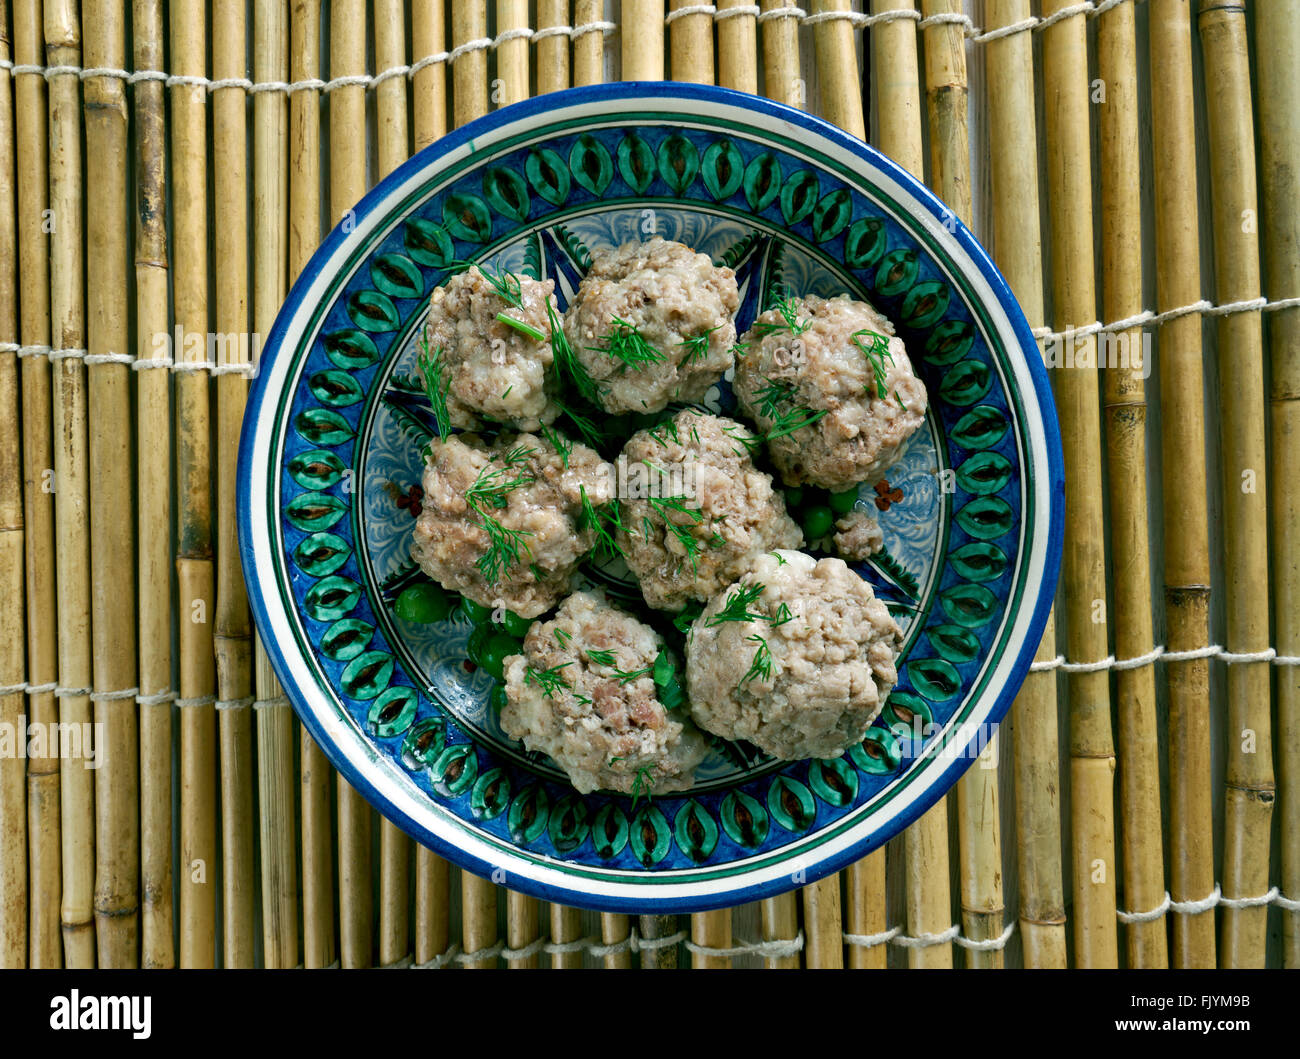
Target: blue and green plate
[330,471]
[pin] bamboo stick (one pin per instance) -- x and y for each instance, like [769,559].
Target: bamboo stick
[1183,462]
[737,46]
[712,930]
[478,912]
[1277,37]
[45,946]
[469,95]
[232,637]
[390,104]
[822,924]
[566,926]
[978,827]
[1249,793]
[893,57]
[304,235]
[275,734]
[690,42]
[521,928]
[194,578]
[925,843]
[652,928]
[1092,753]
[553,50]
[1018,249]
[589,45]
[432,873]
[1125,396]
[429,85]
[780,917]
[71,512]
[117,863]
[511,84]
[641,34]
[613,929]
[347,184]
[153,477]
[13,782]
[781,80]
[837,68]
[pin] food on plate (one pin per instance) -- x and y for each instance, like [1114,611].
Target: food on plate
[703,511]
[507,523]
[651,323]
[597,691]
[858,535]
[797,657]
[489,348]
[831,389]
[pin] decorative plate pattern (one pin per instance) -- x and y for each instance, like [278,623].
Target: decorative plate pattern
[330,468]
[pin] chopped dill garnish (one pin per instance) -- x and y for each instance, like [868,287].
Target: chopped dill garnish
[781,560]
[490,491]
[549,680]
[643,785]
[584,699]
[900,401]
[626,676]
[436,384]
[606,547]
[494,483]
[558,441]
[562,637]
[790,321]
[504,547]
[782,615]
[504,283]
[875,347]
[697,345]
[761,667]
[602,657]
[522,327]
[737,606]
[628,346]
[506,392]
[665,507]
[777,402]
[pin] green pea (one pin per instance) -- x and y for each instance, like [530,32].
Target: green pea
[817,522]
[842,503]
[498,648]
[497,698]
[794,496]
[477,643]
[475,612]
[423,603]
[515,625]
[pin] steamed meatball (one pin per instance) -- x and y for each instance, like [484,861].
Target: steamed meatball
[829,383]
[584,693]
[652,323]
[858,535]
[492,370]
[502,523]
[797,657]
[704,511]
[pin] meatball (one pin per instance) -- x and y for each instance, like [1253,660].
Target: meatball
[652,323]
[830,385]
[797,657]
[492,370]
[503,523]
[704,512]
[858,535]
[584,692]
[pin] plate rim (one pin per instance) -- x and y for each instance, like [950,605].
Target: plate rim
[706,895]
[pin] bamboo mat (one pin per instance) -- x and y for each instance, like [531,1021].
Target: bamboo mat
[1134,166]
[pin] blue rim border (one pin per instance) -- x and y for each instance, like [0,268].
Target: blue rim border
[612,95]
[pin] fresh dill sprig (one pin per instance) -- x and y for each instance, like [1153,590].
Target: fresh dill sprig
[602,657]
[781,560]
[559,443]
[549,680]
[737,606]
[504,548]
[504,283]
[790,321]
[761,667]
[665,507]
[522,327]
[777,401]
[782,615]
[697,345]
[628,346]
[562,637]
[875,347]
[626,676]
[436,384]
[489,492]
[643,786]
[606,548]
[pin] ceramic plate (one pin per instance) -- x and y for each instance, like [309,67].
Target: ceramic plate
[330,465]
